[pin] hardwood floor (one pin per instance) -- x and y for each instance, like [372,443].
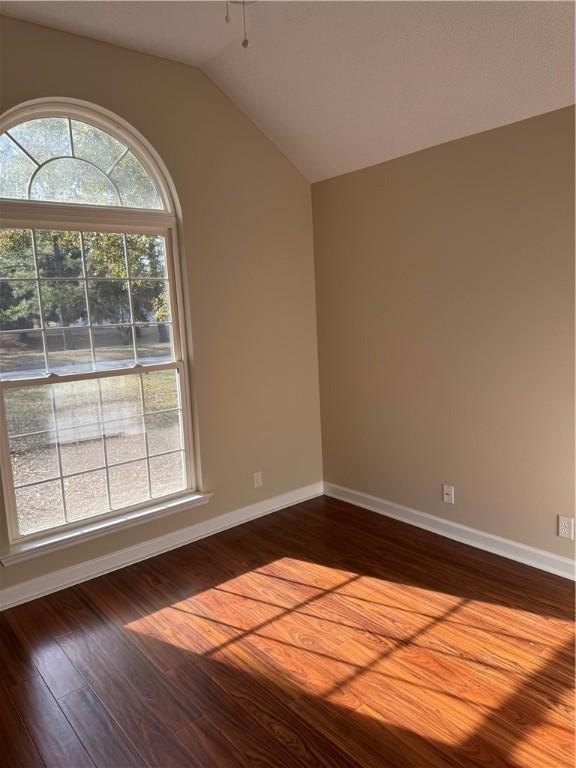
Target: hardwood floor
[322,635]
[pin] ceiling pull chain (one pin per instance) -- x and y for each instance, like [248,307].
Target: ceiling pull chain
[245,42]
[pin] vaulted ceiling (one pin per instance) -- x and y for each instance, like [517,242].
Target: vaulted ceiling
[339,86]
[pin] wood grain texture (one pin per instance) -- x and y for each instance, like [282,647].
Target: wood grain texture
[31,632]
[17,747]
[322,636]
[55,739]
[105,742]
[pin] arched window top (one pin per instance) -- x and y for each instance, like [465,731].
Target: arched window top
[94,381]
[65,160]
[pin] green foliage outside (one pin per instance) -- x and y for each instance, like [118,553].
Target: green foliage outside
[59,255]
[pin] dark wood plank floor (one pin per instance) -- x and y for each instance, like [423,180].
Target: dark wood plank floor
[323,635]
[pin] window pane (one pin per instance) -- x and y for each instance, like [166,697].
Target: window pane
[63,303]
[76,402]
[44,137]
[89,166]
[34,458]
[113,347]
[135,186]
[125,440]
[16,170]
[28,410]
[68,350]
[86,495]
[104,254]
[69,180]
[81,448]
[58,254]
[153,343]
[160,390]
[21,355]
[19,307]
[128,484]
[167,474]
[39,507]
[121,397]
[92,144]
[163,432]
[99,438]
[16,255]
[66,305]
[150,301]
[109,303]
[62,298]
[146,255]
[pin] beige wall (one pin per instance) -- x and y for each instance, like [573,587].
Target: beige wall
[248,244]
[445,308]
[444,292]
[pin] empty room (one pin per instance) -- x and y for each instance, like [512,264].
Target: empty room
[287,407]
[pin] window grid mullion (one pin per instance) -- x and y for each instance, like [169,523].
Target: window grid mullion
[104,446]
[71,138]
[99,423]
[125,246]
[58,454]
[87,325]
[145,437]
[93,352]
[22,149]
[94,278]
[40,303]
[105,373]
[172,452]
[115,163]
[88,315]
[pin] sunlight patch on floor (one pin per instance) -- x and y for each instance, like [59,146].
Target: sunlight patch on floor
[410,658]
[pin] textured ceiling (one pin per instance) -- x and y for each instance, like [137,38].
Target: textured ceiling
[338,86]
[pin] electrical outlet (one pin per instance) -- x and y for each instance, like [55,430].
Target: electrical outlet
[448,494]
[258,479]
[565,527]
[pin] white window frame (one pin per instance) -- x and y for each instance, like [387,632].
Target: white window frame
[29,214]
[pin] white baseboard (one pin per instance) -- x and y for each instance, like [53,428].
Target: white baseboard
[74,574]
[537,558]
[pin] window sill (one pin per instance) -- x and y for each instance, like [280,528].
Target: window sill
[25,550]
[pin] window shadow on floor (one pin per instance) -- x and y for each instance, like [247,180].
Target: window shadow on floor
[262,713]
[325,635]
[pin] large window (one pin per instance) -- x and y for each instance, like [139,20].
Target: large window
[93,383]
